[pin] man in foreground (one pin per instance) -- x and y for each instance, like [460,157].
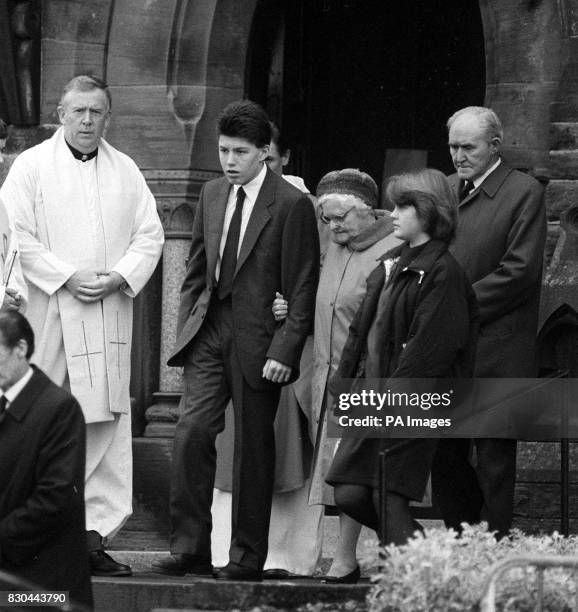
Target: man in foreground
[42,452]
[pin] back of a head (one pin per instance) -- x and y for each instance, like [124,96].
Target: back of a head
[14,327]
[430,192]
[86,82]
[3,130]
[247,120]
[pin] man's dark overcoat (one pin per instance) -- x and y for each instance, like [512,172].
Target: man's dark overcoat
[500,245]
[42,457]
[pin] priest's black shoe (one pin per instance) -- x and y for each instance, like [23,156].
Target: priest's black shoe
[179,564]
[102,564]
[234,571]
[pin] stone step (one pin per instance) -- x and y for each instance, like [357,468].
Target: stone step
[146,592]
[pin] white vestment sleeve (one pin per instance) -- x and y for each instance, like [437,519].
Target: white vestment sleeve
[146,243]
[21,195]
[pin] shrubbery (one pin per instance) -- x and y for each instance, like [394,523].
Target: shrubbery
[440,572]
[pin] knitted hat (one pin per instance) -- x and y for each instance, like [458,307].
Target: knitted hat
[350,181]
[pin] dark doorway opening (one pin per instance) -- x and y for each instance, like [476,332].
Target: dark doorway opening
[350,80]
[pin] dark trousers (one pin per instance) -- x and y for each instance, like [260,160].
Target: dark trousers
[212,375]
[485,493]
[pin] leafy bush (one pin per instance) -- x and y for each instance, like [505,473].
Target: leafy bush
[439,571]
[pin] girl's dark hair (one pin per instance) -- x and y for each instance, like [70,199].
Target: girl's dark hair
[430,193]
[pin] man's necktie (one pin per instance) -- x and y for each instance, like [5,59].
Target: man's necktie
[3,404]
[466,189]
[229,259]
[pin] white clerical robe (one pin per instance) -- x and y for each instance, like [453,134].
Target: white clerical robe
[71,215]
[101,216]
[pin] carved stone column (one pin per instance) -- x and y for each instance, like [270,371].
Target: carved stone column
[177,193]
[20,60]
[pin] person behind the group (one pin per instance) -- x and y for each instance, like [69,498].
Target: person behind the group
[253,234]
[418,320]
[42,453]
[279,156]
[296,528]
[347,201]
[13,290]
[89,237]
[500,245]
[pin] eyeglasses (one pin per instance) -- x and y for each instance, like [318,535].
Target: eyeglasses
[335,218]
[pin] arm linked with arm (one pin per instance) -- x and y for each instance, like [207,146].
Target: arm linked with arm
[299,277]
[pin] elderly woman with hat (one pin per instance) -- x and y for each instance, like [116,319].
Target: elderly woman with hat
[347,201]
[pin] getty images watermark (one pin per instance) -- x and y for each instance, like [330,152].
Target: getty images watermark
[520,408]
[384,402]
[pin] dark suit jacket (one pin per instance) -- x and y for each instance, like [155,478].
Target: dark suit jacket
[42,455]
[500,243]
[279,252]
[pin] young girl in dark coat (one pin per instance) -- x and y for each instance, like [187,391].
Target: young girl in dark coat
[418,320]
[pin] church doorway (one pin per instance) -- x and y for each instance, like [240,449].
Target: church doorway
[354,81]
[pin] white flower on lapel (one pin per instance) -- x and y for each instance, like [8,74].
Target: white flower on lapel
[388,265]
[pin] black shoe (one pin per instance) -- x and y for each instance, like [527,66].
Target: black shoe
[351,578]
[281,574]
[234,571]
[276,574]
[102,564]
[179,564]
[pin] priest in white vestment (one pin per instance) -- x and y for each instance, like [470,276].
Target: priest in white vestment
[90,238]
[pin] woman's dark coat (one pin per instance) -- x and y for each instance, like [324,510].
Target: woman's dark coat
[430,328]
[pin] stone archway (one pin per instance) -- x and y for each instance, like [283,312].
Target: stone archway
[173,64]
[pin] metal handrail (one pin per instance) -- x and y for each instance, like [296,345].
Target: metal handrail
[541,562]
